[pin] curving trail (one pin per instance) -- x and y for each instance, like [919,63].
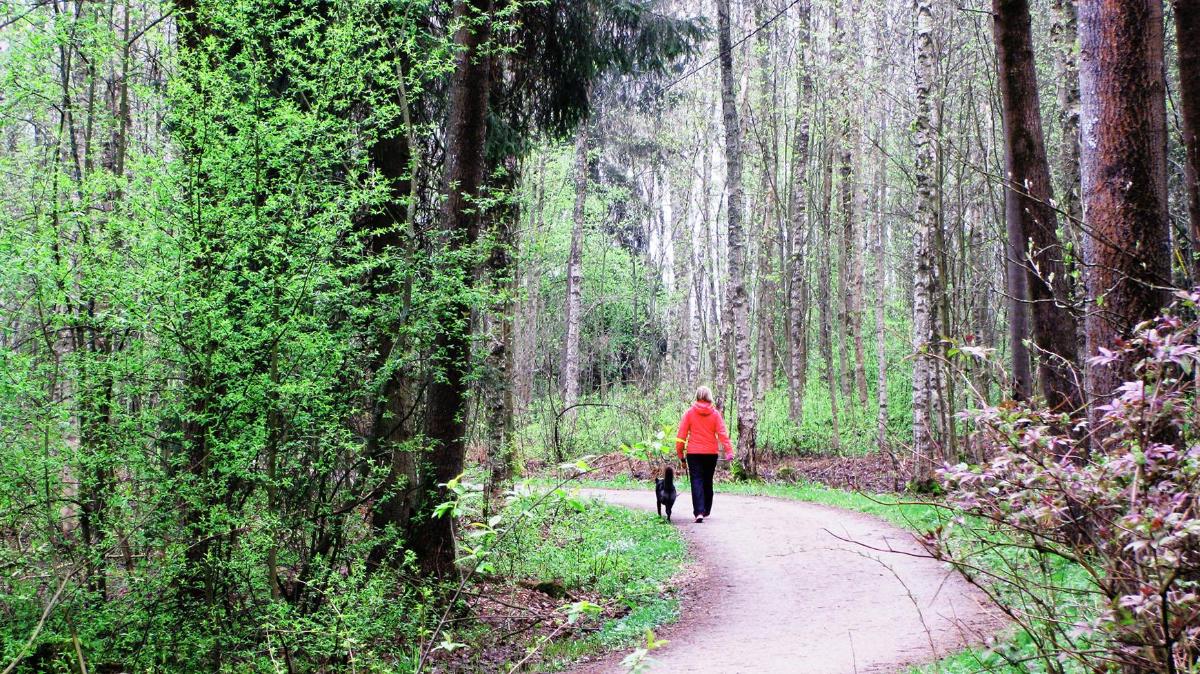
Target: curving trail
[773,589]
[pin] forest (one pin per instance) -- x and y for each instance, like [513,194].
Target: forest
[337,335]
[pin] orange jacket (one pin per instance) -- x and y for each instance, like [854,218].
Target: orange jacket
[703,430]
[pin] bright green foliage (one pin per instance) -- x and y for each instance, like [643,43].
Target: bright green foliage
[621,553]
[626,556]
[221,287]
[178,333]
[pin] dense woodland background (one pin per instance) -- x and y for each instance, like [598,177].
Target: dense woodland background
[274,274]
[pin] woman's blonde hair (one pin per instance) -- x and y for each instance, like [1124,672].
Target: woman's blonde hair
[704,393]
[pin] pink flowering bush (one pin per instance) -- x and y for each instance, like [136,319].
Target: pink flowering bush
[1089,536]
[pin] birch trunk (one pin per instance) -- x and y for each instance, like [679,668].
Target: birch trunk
[801,228]
[570,369]
[925,288]
[880,284]
[1065,34]
[738,299]
[695,307]
[824,299]
[845,263]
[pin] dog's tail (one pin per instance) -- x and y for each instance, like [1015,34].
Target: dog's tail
[669,474]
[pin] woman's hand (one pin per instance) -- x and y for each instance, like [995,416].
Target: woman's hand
[683,464]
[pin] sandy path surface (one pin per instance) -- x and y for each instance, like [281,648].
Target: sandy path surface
[773,589]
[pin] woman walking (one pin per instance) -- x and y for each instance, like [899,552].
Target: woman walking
[702,430]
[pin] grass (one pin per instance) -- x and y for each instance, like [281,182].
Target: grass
[625,556]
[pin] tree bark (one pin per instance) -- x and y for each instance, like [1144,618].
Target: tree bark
[695,299]
[880,283]
[801,227]
[432,538]
[1029,212]
[1016,287]
[738,299]
[854,383]
[1187,33]
[1065,34]
[824,299]
[925,282]
[846,263]
[1127,263]
[570,369]
[766,315]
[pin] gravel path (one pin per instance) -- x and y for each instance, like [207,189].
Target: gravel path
[773,589]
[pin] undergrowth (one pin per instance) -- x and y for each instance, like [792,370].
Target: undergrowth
[625,557]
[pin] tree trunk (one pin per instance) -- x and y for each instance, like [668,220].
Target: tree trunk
[925,286]
[679,236]
[1031,221]
[766,315]
[880,283]
[432,538]
[855,382]
[695,300]
[570,368]
[738,299]
[1064,32]
[846,263]
[1187,33]
[801,227]
[824,299]
[1127,263]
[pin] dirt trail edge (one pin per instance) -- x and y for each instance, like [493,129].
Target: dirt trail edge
[773,589]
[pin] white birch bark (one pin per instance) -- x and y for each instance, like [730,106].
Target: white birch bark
[570,369]
[924,280]
[738,300]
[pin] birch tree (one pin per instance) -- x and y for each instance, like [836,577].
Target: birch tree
[925,282]
[574,306]
[737,297]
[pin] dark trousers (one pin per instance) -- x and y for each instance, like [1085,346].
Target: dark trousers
[701,468]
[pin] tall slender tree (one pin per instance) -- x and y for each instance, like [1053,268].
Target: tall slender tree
[1127,263]
[925,281]
[738,299]
[574,306]
[801,226]
[1065,33]
[432,537]
[1029,210]
[824,308]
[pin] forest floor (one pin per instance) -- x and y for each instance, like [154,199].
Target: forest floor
[785,586]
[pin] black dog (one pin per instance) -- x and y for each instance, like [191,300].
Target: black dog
[664,491]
